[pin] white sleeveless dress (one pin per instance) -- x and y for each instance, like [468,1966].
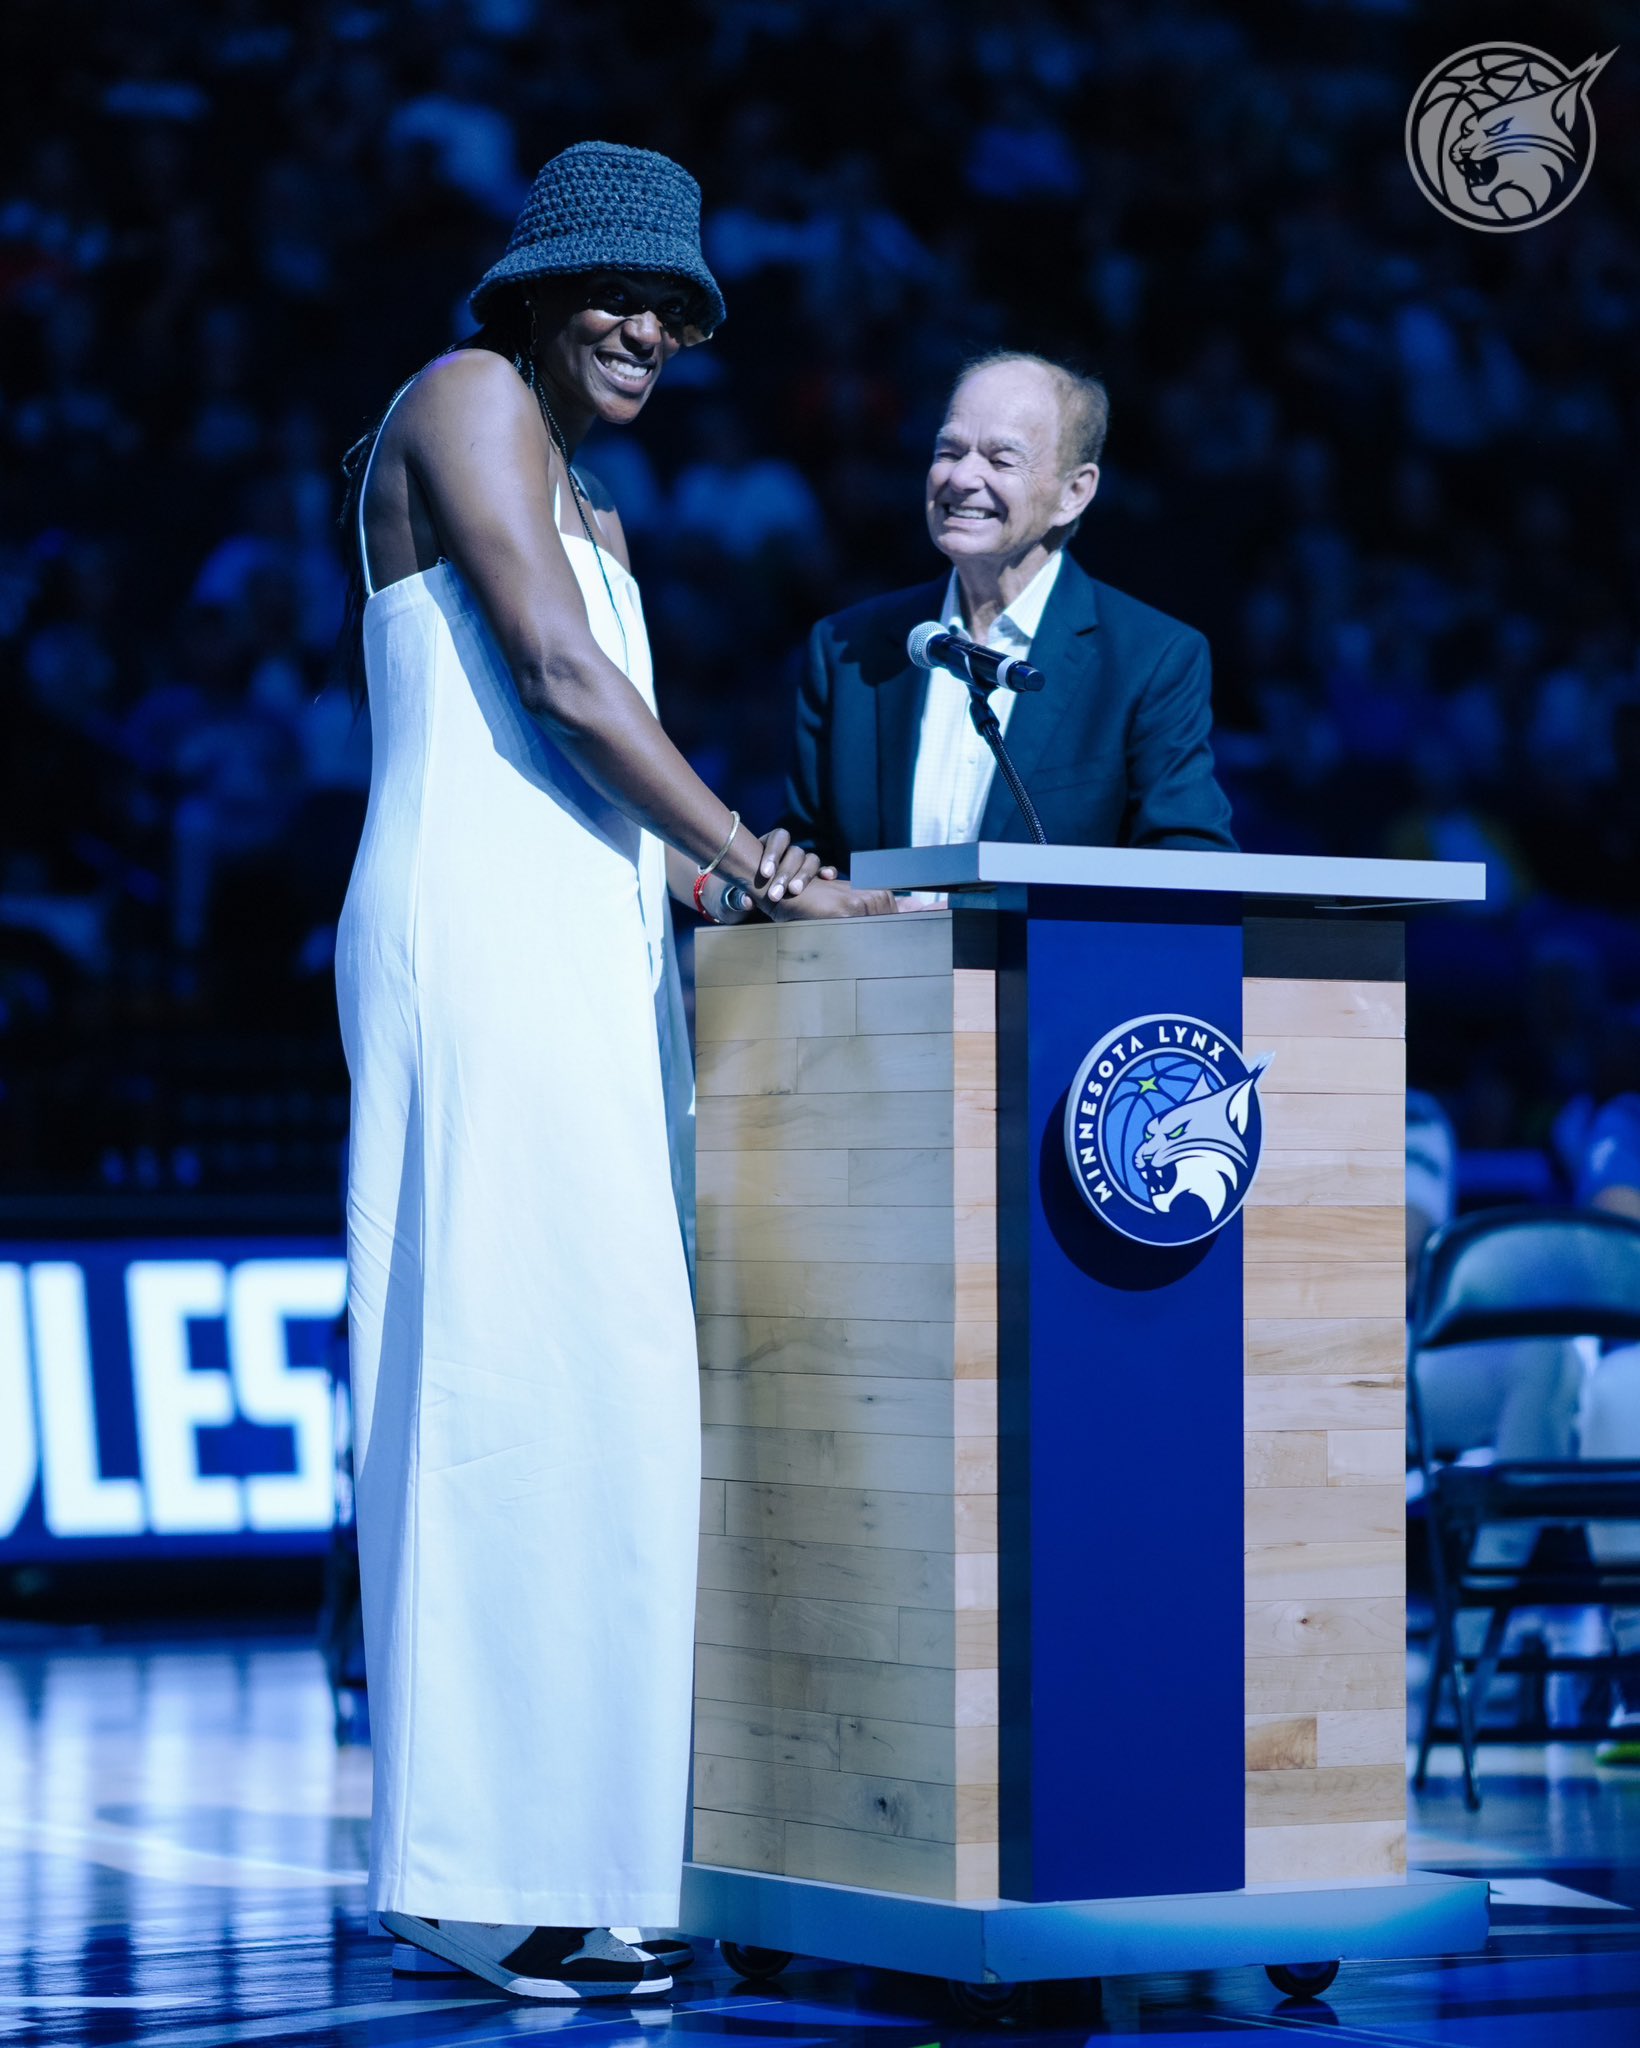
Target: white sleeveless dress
[527,1437]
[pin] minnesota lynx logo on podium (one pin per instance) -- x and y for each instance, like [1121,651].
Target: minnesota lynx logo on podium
[1162,1129]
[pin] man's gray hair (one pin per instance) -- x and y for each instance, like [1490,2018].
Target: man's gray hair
[1084,403]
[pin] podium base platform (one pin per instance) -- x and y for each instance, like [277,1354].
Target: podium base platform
[1004,1941]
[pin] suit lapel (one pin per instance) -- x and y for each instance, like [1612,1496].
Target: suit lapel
[900,700]
[1064,649]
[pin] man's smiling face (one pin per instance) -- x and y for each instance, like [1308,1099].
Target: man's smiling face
[997,483]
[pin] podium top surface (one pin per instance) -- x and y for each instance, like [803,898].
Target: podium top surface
[1298,877]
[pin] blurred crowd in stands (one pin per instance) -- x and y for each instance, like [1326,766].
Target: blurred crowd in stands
[1383,461]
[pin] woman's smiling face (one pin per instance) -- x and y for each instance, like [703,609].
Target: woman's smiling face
[611,336]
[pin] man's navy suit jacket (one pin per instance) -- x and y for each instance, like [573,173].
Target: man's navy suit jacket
[1114,751]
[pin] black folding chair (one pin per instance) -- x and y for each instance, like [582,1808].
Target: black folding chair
[1517,1273]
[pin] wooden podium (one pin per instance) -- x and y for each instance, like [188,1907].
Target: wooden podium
[1042,1565]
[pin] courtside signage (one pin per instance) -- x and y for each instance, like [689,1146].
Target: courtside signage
[167,1397]
[1163,1128]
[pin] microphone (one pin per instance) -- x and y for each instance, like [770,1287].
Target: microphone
[982,668]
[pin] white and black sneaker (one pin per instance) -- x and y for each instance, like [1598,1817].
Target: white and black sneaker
[410,1961]
[668,1950]
[569,1964]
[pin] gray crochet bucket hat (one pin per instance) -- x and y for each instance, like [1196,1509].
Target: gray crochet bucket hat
[603,206]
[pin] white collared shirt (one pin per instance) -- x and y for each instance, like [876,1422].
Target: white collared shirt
[952,778]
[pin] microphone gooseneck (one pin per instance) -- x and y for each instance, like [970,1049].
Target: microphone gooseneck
[983,670]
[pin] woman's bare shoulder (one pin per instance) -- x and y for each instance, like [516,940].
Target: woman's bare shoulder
[452,386]
[470,413]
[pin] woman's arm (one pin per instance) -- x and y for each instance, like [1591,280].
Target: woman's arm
[478,449]
[794,870]
[681,877]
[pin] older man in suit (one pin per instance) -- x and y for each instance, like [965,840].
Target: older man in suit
[1115,749]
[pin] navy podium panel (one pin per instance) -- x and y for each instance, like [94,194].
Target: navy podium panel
[1120,1441]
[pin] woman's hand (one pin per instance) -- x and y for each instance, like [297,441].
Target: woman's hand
[785,870]
[830,897]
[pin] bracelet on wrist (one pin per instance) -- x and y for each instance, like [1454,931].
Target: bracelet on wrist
[723,851]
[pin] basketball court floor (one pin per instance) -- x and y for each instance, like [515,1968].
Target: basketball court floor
[182,1852]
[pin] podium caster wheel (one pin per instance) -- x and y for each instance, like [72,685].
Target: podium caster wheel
[985,2001]
[754,1965]
[1063,2001]
[1301,1980]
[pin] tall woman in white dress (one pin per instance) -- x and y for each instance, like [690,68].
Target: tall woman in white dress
[527,1440]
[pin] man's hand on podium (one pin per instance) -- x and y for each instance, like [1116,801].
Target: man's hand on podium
[810,889]
[833,897]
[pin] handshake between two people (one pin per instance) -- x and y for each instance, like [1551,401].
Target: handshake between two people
[792,883]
